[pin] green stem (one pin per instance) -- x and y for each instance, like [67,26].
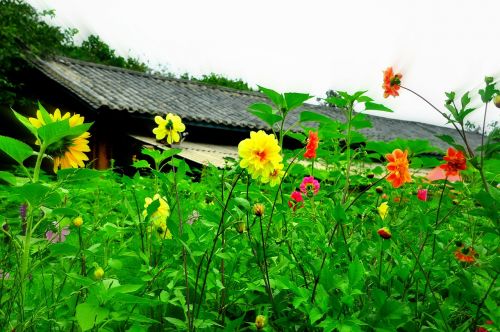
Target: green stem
[348,154]
[437,217]
[25,263]
[36,172]
[380,263]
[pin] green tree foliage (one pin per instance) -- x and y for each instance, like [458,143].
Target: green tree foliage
[24,33]
[94,49]
[219,80]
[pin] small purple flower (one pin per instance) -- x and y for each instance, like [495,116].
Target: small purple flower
[193,217]
[22,211]
[55,237]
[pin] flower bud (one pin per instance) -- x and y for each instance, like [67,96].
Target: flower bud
[260,322]
[258,209]
[379,189]
[241,227]
[384,233]
[488,80]
[98,273]
[78,221]
[496,100]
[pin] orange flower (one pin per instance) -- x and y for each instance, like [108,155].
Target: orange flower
[455,162]
[398,168]
[392,83]
[466,255]
[312,145]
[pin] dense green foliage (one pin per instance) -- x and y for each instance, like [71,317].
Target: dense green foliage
[356,253]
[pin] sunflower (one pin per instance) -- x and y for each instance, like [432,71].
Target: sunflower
[170,127]
[68,152]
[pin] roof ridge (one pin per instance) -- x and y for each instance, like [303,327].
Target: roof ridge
[64,59]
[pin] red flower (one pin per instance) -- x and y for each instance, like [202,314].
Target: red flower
[312,145]
[384,233]
[392,83]
[422,195]
[482,329]
[466,255]
[398,168]
[296,200]
[455,162]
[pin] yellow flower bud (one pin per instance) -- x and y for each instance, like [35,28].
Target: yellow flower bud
[260,322]
[258,209]
[496,101]
[241,227]
[78,221]
[99,273]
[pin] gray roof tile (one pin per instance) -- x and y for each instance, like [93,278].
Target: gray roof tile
[121,89]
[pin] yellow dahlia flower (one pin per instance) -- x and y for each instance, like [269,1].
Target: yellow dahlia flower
[260,154]
[159,217]
[274,178]
[171,126]
[67,152]
[383,210]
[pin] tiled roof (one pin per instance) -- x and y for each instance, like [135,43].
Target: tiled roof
[125,90]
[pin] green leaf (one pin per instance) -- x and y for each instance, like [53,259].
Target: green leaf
[294,100]
[15,149]
[45,115]
[26,123]
[336,101]
[355,274]
[7,177]
[56,131]
[265,114]
[89,315]
[37,194]
[275,97]
[376,107]
[308,116]
[243,203]
[465,100]
[65,212]
[141,164]
[177,322]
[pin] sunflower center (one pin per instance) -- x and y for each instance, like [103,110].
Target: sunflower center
[60,147]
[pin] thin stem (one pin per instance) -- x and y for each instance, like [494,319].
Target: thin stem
[428,283]
[478,311]
[437,217]
[348,154]
[36,172]
[266,271]
[380,263]
[316,279]
[214,243]
[464,138]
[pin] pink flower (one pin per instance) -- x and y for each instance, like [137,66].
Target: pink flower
[55,237]
[309,186]
[422,195]
[296,200]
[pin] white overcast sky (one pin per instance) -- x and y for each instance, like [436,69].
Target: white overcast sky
[308,46]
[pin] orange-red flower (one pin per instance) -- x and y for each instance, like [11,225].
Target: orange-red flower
[384,233]
[392,83]
[455,162]
[312,145]
[466,255]
[398,168]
